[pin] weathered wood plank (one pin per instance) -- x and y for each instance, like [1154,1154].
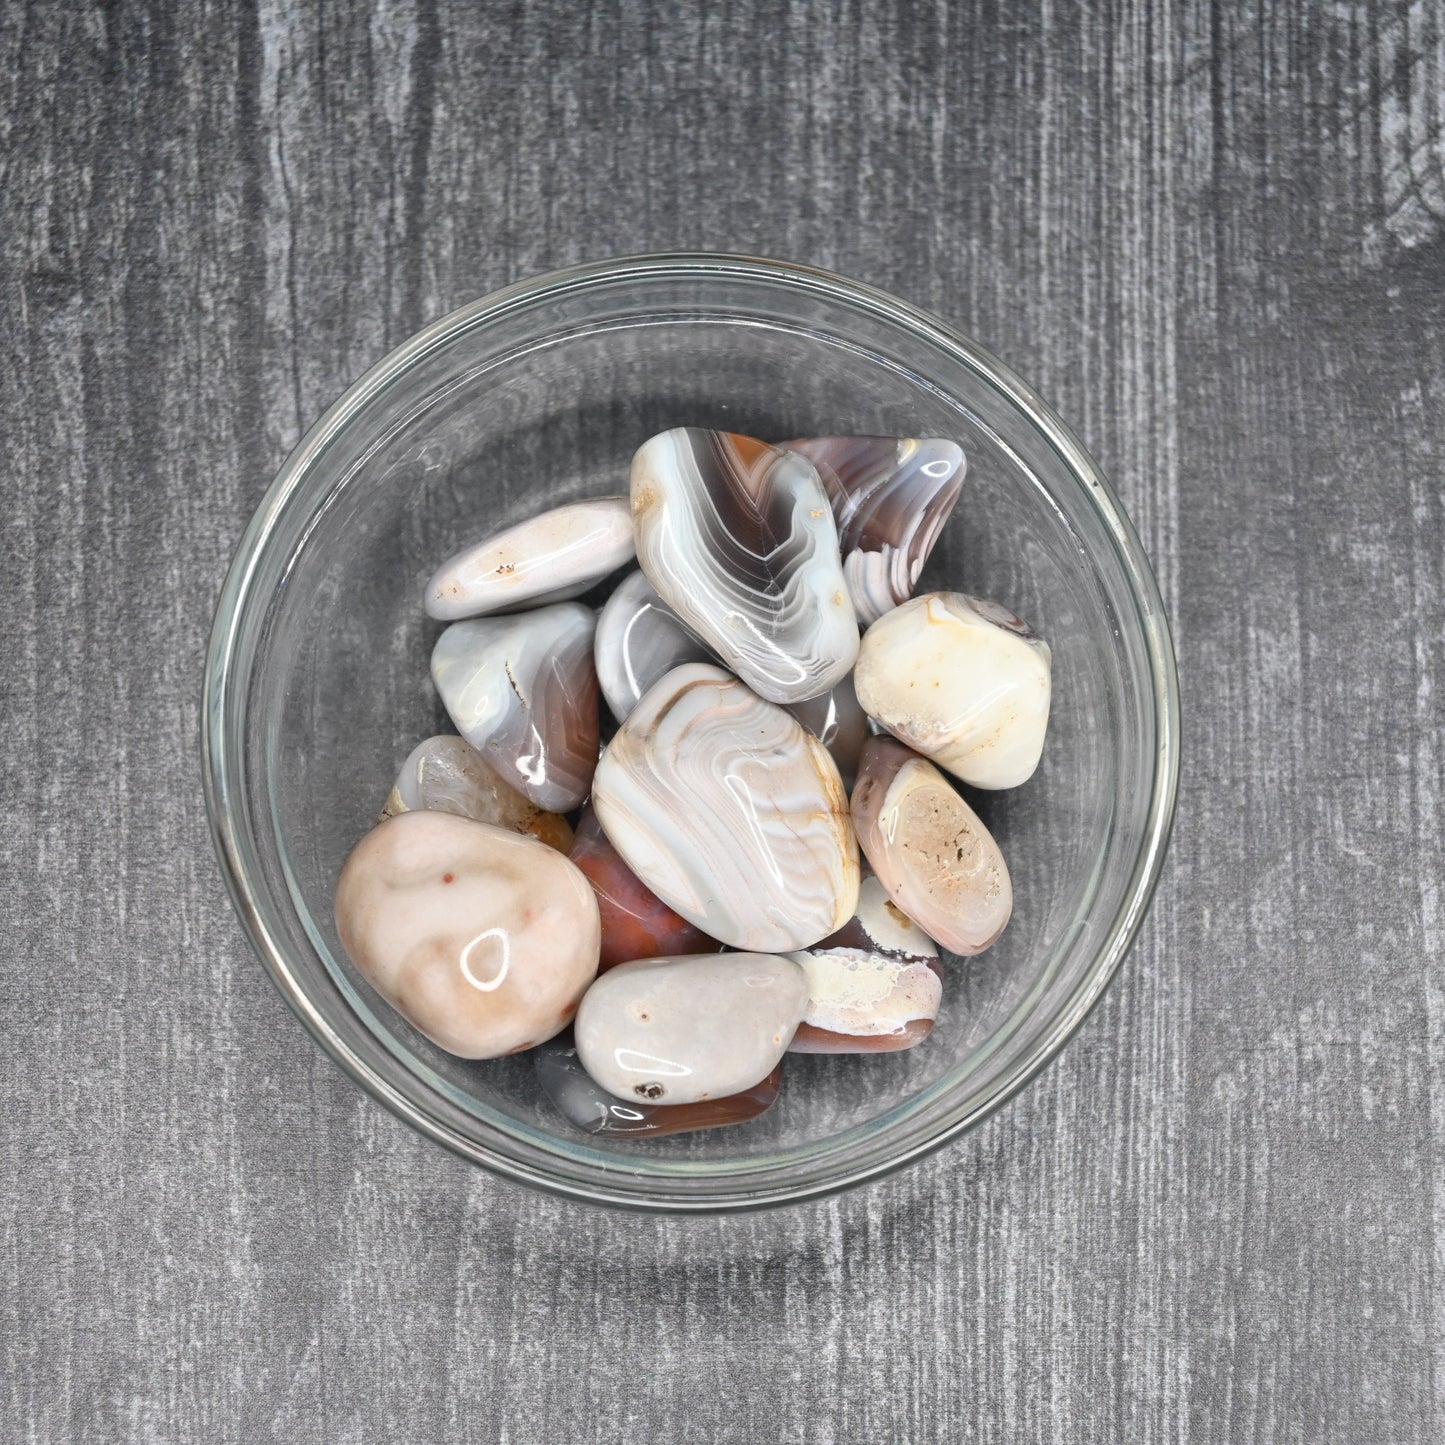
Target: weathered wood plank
[1212,233]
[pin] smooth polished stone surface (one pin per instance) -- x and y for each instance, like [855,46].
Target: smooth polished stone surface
[681,1030]
[929,849]
[523,691]
[639,639]
[548,558]
[636,923]
[738,538]
[891,497]
[589,1107]
[446,774]
[836,718]
[731,812]
[483,939]
[874,986]
[962,681]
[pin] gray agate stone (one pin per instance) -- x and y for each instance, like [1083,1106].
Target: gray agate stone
[891,497]
[523,691]
[739,540]
[639,639]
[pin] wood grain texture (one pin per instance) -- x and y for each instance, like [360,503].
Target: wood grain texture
[1214,236]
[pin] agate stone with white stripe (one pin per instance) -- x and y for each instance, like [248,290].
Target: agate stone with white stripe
[731,812]
[739,540]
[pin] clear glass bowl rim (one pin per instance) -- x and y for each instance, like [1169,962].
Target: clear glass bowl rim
[223,754]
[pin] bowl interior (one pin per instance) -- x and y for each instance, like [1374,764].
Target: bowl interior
[490,420]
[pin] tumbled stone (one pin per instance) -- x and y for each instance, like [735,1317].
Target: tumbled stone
[963,682]
[929,849]
[523,691]
[891,497]
[639,639]
[548,558]
[874,986]
[485,940]
[729,811]
[446,774]
[837,720]
[739,540]
[589,1107]
[636,923]
[681,1030]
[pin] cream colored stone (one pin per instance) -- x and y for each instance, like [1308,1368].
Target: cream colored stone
[483,939]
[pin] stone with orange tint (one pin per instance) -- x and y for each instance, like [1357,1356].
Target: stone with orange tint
[636,923]
[484,939]
[589,1107]
[929,849]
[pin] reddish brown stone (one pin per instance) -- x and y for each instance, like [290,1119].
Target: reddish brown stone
[636,923]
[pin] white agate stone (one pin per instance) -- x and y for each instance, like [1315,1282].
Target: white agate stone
[681,1030]
[963,682]
[729,811]
[739,540]
[638,640]
[548,558]
[483,939]
[523,691]
[930,850]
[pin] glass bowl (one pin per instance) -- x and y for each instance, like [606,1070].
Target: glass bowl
[316,683]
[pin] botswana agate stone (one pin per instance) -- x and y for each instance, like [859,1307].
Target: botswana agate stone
[549,558]
[729,811]
[962,681]
[891,497]
[638,640]
[636,923]
[447,774]
[589,1107]
[739,540]
[681,1030]
[484,939]
[523,691]
[929,849]
[837,720]
[874,986]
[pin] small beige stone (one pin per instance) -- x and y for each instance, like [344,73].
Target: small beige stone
[484,939]
[929,849]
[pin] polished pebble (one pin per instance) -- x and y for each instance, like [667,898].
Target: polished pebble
[548,558]
[739,540]
[929,849]
[523,691]
[681,1030]
[483,939]
[731,812]
[891,497]
[639,639]
[963,682]
[588,1107]
[636,923]
[874,986]
[836,718]
[446,774]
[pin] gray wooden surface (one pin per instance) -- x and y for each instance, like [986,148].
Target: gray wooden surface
[1214,236]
